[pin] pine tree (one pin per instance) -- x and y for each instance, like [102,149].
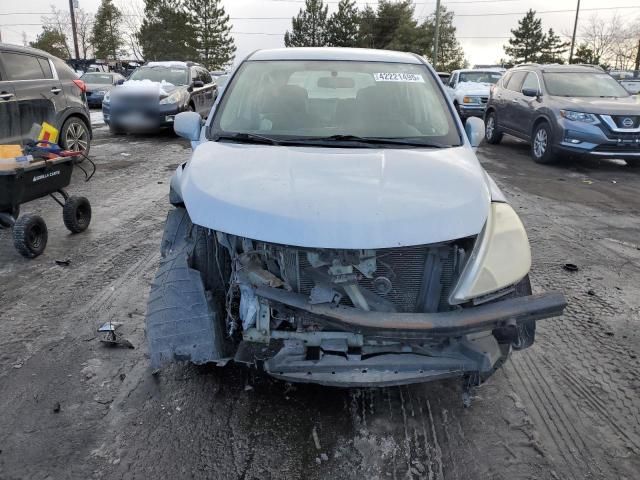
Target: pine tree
[213,38]
[553,49]
[528,40]
[106,37]
[584,54]
[166,32]
[51,41]
[342,27]
[309,28]
[450,53]
[366,27]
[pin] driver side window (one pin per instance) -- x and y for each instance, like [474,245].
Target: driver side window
[453,80]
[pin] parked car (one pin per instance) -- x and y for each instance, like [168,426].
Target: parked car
[444,77]
[215,74]
[630,80]
[565,109]
[155,93]
[36,87]
[98,84]
[335,226]
[469,90]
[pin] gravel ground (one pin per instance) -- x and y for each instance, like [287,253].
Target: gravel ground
[568,408]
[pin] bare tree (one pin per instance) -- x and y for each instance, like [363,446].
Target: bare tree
[59,21]
[84,26]
[132,15]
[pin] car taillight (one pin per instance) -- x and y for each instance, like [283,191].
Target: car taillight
[81,85]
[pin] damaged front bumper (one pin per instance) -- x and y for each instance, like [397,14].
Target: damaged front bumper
[380,348]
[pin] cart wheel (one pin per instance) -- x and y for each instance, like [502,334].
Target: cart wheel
[30,235]
[76,214]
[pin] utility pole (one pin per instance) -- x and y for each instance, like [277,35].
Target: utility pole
[575,28]
[437,36]
[73,29]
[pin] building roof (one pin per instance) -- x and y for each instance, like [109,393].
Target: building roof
[332,53]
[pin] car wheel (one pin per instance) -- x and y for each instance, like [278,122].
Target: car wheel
[115,130]
[30,235]
[76,214]
[491,133]
[74,135]
[633,163]
[542,144]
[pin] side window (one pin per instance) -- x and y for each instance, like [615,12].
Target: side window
[22,67]
[194,74]
[206,77]
[46,67]
[531,81]
[453,80]
[515,82]
[505,79]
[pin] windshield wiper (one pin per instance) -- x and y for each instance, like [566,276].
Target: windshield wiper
[247,138]
[384,141]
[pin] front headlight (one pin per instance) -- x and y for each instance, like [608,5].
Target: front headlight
[107,98]
[175,97]
[500,258]
[101,92]
[471,100]
[578,116]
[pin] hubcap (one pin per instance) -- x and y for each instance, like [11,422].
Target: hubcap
[540,143]
[76,138]
[35,237]
[490,127]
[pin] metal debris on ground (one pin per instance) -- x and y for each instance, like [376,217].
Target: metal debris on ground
[570,267]
[63,263]
[111,337]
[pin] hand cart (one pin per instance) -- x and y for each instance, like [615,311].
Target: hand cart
[22,183]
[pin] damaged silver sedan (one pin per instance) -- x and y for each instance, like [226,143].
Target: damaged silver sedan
[334,226]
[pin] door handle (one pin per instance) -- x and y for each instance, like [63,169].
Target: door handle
[6,96]
[56,90]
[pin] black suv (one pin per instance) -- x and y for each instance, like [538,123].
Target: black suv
[565,109]
[155,93]
[36,87]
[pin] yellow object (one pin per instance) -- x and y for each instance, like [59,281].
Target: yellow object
[48,133]
[10,151]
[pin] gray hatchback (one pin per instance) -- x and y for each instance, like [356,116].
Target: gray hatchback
[571,109]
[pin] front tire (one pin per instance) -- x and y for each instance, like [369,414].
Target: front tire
[76,214]
[75,136]
[491,133]
[30,235]
[542,144]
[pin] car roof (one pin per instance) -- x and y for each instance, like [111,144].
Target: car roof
[333,53]
[488,69]
[562,68]
[172,64]
[21,49]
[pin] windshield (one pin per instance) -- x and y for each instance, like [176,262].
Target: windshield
[320,99]
[173,75]
[97,78]
[583,84]
[480,77]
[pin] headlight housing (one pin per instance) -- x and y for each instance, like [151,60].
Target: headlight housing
[471,99]
[101,92]
[500,258]
[175,97]
[107,97]
[578,116]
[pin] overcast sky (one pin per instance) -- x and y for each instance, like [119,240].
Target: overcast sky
[262,23]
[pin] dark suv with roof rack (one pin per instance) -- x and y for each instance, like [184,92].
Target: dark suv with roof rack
[565,109]
[36,87]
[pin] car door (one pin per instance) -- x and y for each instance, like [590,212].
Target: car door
[508,118]
[196,92]
[9,114]
[210,90]
[451,87]
[523,106]
[38,94]
[497,95]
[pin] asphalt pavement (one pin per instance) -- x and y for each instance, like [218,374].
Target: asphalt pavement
[567,408]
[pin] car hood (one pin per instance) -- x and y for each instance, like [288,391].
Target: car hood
[604,106]
[98,87]
[336,198]
[145,87]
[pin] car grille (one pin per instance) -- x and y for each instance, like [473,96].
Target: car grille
[407,268]
[621,142]
[621,119]
[484,100]
[143,104]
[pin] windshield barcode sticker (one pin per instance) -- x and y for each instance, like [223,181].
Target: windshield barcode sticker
[398,77]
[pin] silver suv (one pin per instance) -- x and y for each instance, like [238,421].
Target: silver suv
[570,109]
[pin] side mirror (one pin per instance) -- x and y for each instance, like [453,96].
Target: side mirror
[530,92]
[475,131]
[197,84]
[188,125]
[120,82]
